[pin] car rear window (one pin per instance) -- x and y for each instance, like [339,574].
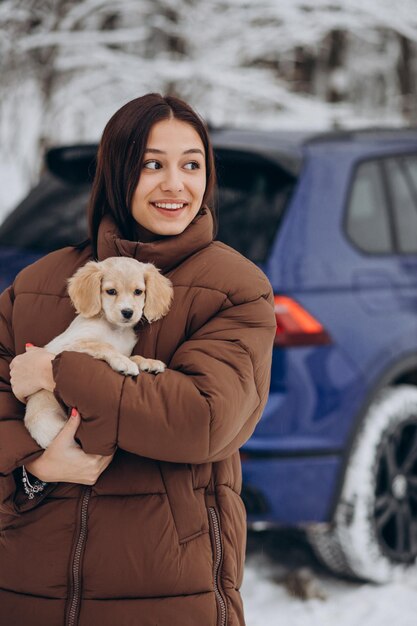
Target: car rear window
[253,194]
[52,216]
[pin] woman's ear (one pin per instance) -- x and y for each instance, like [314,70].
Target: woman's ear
[84,289]
[158,294]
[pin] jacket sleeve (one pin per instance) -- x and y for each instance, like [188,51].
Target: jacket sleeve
[202,408]
[17,447]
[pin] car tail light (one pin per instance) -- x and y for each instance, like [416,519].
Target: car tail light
[295,326]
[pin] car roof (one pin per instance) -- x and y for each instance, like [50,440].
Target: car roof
[295,140]
[287,147]
[372,135]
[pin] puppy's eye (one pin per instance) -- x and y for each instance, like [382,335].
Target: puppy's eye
[111,292]
[138,292]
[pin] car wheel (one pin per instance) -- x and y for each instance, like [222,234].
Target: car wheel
[374,532]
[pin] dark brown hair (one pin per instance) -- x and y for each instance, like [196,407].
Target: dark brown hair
[120,158]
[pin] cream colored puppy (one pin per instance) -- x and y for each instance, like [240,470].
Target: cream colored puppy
[110,298]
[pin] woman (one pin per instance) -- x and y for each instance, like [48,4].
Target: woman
[132,516]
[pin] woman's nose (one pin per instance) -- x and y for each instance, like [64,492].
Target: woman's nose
[172,181]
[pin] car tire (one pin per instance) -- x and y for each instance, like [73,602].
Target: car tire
[374,532]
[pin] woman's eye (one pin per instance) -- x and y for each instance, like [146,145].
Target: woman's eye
[155,165]
[151,165]
[138,292]
[111,292]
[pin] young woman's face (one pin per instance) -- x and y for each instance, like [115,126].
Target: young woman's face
[172,182]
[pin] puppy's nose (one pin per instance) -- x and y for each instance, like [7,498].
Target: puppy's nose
[127,313]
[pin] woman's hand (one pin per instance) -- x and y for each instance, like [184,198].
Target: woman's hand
[65,461]
[31,371]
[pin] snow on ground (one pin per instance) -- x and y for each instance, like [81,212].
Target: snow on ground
[273,557]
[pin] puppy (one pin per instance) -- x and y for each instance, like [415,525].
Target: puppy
[110,298]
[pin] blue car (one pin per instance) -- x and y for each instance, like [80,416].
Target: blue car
[332,221]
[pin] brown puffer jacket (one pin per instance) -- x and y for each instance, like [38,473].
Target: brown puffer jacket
[160,538]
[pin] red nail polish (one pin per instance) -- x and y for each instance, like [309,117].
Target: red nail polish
[29,345]
[74,412]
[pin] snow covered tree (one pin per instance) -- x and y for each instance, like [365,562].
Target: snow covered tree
[67,65]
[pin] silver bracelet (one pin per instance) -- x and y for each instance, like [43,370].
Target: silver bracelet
[31,490]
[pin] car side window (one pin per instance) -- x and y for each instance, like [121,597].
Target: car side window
[410,164]
[368,223]
[402,178]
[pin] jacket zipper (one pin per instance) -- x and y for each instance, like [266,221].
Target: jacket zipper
[76,569]
[217,562]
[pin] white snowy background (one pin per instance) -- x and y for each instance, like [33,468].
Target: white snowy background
[66,66]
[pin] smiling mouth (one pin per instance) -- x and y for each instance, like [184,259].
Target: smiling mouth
[169,206]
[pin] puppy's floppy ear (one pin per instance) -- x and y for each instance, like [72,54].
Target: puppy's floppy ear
[158,294]
[84,289]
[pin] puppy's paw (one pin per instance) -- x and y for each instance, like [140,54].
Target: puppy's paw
[151,365]
[124,365]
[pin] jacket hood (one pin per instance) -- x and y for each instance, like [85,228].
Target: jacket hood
[166,253]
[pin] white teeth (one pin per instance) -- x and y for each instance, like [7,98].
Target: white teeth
[164,205]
